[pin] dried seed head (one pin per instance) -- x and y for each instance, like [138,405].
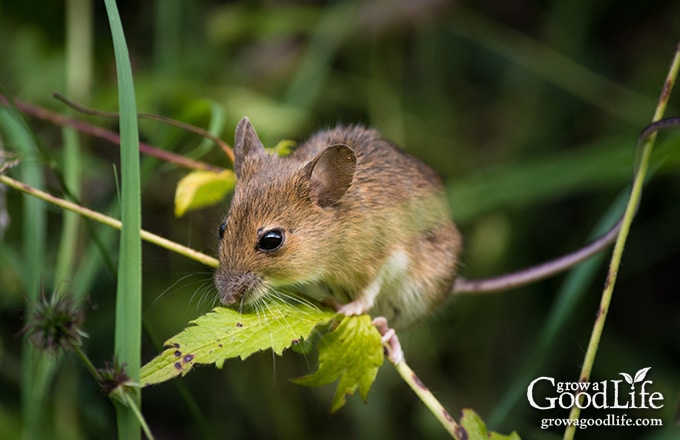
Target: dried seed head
[113,376]
[54,324]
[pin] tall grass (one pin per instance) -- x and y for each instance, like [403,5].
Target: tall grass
[530,123]
[128,329]
[35,366]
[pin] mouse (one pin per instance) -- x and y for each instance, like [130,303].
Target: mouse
[348,219]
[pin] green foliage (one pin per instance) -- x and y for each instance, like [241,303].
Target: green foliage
[199,189]
[128,320]
[529,114]
[284,147]
[475,428]
[225,334]
[350,354]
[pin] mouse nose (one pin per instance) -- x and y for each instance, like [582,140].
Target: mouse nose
[234,288]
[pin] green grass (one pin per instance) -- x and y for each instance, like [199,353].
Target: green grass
[529,113]
[128,327]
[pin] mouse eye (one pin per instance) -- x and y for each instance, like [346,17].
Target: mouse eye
[221,229]
[270,240]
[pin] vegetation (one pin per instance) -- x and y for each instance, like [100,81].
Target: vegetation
[530,113]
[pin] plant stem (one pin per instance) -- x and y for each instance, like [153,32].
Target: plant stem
[134,406]
[110,221]
[184,126]
[93,130]
[78,79]
[88,364]
[633,201]
[426,396]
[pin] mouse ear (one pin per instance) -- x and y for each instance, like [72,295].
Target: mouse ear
[330,174]
[246,143]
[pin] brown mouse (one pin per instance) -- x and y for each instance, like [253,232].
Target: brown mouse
[347,219]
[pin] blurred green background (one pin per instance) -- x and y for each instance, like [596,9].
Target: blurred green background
[530,110]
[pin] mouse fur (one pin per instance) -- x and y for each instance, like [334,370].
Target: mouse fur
[347,219]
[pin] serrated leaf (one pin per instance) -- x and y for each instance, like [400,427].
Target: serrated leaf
[641,374]
[225,333]
[350,354]
[628,377]
[199,189]
[284,148]
[475,428]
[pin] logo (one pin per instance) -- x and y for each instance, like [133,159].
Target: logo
[632,392]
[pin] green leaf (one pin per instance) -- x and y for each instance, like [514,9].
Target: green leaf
[284,147]
[202,188]
[225,333]
[350,354]
[475,428]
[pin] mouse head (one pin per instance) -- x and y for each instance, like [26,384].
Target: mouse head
[280,228]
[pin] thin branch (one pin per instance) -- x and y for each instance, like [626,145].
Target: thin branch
[426,396]
[395,355]
[102,133]
[560,264]
[110,221]
[188,127]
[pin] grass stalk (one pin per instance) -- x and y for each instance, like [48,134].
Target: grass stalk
[78,80]
[633,202]
[33,240]
[129,292]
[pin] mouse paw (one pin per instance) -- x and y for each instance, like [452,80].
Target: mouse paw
[354,308]
[390,340]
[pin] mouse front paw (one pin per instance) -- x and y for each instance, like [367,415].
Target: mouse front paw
[355,308]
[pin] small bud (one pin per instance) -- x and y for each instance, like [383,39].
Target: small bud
[54,324]
[113,376]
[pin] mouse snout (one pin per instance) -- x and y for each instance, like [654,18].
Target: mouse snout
[235,288]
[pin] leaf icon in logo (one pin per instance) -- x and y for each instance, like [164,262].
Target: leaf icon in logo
[641,374]
[628,378]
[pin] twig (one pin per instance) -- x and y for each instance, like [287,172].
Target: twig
[635,194]
[110,221]
[188,127]
[102,133]
[426,396]
[395,355]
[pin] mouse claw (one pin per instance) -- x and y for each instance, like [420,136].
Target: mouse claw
[389,340]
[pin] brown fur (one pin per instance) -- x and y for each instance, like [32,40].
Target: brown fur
[356,212]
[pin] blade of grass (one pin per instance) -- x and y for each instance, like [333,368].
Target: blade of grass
[71,222]
[636,192]
[78,80]
[129,291]
[33,240]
